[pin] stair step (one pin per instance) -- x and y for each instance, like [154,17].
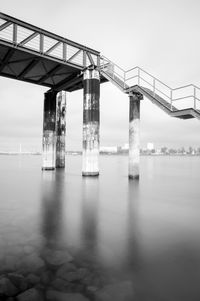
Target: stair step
[160,99]
[155,98]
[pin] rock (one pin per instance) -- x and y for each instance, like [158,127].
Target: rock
[92,289]
[31,263]
[122,291]
[33,279]
[88,281]
[7,288]
[83,272]
[58,296]
[57,257]
[65,268]
[46,277]
[75,275]
[18,280]
[92,280]
[59,284]
[71,276]
[30,295]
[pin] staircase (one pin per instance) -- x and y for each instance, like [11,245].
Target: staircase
[182,102]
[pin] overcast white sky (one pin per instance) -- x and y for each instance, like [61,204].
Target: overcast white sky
[162,37]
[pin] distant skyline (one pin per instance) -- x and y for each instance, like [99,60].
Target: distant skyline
[159,36]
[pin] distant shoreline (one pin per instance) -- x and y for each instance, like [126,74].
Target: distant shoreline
[102,154]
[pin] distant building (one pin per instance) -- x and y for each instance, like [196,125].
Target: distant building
[108,149]
[150,146]
[125,147]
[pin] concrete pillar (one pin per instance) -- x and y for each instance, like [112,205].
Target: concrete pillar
[91,90]
[60,129]
[134,135]
[49,131]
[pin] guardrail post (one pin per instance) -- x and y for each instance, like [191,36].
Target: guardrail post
[171,100]
[14,33]
[124,79]
[194,98]
[84,59]
[41,43]
[154,86]
[138,76]
[64,52]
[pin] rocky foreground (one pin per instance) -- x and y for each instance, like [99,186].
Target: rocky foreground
[56,275]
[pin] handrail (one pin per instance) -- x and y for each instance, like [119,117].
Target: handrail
[24,36]
[105,58]
[109,68]
[45,32]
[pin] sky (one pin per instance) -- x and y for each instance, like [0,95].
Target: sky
[162,37]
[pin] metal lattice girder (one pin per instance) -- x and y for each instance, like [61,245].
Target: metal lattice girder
[4,25]
[32,64]
[30,38]
[49,74]
[6,59]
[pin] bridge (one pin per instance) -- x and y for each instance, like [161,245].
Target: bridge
[31,54]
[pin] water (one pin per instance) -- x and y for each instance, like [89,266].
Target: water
[137,239]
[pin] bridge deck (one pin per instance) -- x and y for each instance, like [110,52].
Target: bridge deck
[34,55]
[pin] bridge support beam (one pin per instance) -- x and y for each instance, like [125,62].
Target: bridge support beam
[60,129]
[134,135]
[49,131]
[91,90]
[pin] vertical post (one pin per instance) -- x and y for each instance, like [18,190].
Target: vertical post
[194,98]
[134,135]
[138,76]
[60,129]
[15,33]
[41,43]
[49,131]
[64,51]
[171,100]
[91,90]
[154,87]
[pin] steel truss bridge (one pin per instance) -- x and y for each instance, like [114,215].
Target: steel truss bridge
[34,55]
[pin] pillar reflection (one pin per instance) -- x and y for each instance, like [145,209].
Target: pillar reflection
[51,203]
[90,199]
[132,225]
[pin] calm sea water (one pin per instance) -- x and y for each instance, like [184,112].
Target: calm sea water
[142,232]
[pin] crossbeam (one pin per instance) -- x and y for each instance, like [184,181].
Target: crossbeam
[49,74]
[30,66]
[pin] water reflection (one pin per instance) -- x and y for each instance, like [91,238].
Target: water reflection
[108,233]
[132,225]
[52,207]
[89,216]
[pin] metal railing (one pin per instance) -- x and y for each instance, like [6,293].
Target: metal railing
[21,35]
[179,98]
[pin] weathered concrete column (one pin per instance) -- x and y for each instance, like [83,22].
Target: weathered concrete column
[91,90]
[49,131]
[60,129]
[134,135]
